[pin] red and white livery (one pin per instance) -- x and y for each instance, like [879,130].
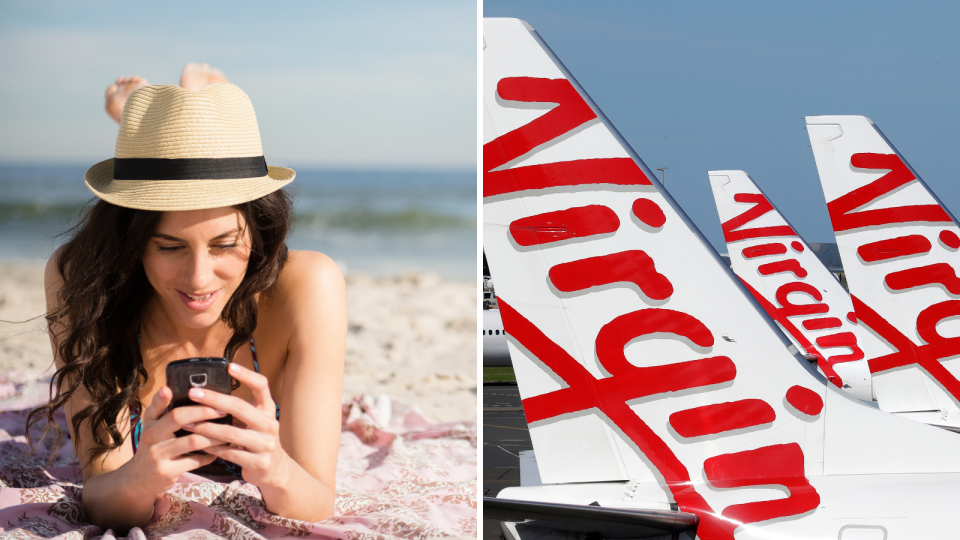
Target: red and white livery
[899,250]
[790,282]
[650,380]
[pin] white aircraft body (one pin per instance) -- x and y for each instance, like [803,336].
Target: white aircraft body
[657,393]
[495,352]
[790,282]
[899,246]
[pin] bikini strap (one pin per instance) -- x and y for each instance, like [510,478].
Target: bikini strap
[253,352]
[256,366]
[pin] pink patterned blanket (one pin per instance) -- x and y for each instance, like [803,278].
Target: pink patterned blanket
[399,475]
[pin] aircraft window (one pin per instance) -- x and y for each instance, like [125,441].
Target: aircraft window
[497,331]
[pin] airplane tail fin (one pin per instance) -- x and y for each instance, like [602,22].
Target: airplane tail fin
[637,356]
[790,281]
[898,244]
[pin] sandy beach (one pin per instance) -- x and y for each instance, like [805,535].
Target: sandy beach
[413,337]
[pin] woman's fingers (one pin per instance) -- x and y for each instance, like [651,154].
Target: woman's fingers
[182,446]
[259,386]
[251,416]
[183,416]
[245,459]
[189,462]
[159,404]
[250,440]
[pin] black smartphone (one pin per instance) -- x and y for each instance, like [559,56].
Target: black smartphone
[207,373]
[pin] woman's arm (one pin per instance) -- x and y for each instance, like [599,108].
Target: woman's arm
[297,478]
[114,476]
[102,478]
[313,380]
[159,461]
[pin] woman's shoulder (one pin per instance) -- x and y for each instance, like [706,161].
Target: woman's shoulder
[308,299]
[51,272]
[309,268]
[307,277]
[53,281]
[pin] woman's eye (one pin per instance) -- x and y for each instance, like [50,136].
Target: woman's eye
[226,246]
[168,248]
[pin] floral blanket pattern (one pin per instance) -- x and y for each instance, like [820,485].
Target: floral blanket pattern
[399,475]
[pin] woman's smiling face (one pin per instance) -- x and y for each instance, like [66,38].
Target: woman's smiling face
[195,261]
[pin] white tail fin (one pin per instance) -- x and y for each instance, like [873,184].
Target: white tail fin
[638,355]
[899,246]
[775,263]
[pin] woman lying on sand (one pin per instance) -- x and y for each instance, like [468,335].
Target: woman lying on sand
[185,256]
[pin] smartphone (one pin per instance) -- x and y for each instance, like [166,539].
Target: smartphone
[207,373]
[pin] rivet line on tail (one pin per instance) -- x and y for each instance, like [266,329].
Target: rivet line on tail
[901,246]
[579,222]
[762,250]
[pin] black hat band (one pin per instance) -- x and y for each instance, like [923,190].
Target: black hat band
[189,168]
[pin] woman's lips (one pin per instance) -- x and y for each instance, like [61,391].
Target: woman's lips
[198,302]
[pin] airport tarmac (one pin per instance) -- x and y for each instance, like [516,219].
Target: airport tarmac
[505,435]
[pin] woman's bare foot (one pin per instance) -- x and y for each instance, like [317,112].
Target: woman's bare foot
[196,77]
[118,92]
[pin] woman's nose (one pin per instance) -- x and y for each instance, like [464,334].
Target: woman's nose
[200,271]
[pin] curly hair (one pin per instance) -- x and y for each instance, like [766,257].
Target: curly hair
[104,292]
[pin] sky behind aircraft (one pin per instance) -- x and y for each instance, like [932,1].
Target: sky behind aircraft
[357,85]
[698,86]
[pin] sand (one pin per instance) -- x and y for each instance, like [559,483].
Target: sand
[413,337]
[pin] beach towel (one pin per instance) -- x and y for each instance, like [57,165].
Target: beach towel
[399,475]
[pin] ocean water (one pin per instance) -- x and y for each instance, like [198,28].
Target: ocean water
[377,222]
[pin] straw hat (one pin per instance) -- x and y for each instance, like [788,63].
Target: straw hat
[182,150]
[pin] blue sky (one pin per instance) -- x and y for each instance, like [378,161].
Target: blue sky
[335,84]
[698,86]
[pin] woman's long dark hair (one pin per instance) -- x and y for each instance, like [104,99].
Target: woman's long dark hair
[104,293]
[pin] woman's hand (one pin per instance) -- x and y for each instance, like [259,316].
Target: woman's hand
[256,447]
[161,456]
